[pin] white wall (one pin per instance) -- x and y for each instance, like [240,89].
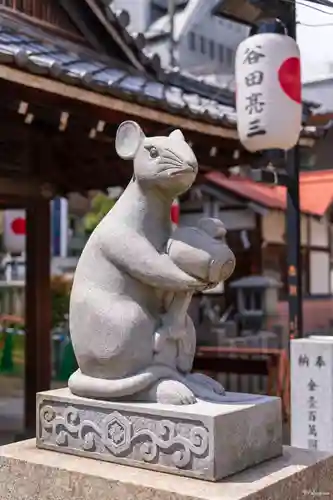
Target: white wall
[238,219]
[233,220]
[320,92]
[319,233]
[220,31]
[139,11]
[320,275]
[273,228]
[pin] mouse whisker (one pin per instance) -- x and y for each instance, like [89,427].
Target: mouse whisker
[173,160]
[170,163]
[173,154]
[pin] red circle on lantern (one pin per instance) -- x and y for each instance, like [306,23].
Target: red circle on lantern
[290,78]
[18,226]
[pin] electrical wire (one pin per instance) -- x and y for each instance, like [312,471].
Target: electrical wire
[314,25]
[311,6]
[325,3]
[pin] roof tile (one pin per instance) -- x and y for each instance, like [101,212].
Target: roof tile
[316,191]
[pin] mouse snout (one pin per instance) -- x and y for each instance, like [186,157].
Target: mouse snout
[193,164]
[191,160]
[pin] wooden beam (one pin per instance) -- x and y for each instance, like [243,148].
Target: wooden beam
[27,188]
[110,104]
[38,308]
[223,158]
[108,109]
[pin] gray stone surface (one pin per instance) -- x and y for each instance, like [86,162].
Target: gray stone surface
[131,333]
[205,440]
[27,473]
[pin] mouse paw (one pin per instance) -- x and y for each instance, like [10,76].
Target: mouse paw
[172,392]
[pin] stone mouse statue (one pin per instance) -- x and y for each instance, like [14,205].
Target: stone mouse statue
[123,276]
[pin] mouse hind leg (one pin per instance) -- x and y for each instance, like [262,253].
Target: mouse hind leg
[187,347]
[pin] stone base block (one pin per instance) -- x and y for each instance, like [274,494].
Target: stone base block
[206,440]
[28,473]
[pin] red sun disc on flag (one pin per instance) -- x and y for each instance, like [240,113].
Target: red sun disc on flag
[18,226]
[290,78]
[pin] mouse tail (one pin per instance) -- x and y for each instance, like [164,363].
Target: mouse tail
[97,388]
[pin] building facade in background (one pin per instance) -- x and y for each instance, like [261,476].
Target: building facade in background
[204,42]
[254,216]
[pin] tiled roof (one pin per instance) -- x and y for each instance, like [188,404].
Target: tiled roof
[316,191]
[29,49]
[33,50]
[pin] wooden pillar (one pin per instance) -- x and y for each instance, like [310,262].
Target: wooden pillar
[257,249]
[38,308]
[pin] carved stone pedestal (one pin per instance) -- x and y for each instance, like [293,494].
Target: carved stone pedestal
[205,440]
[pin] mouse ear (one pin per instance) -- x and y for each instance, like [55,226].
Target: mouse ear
[178,135]
[128,139]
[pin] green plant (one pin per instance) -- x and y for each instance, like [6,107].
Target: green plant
[6,361]
[101,204]
[60,293]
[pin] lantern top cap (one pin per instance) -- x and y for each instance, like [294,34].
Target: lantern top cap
[272,25]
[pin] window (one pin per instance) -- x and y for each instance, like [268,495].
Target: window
[212,49]
[253,300]
[257,300]
[221,53]
[191,41]
[247,300]
[229,56]
[203,45]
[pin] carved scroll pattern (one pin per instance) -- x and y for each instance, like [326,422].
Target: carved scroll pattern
[117,435]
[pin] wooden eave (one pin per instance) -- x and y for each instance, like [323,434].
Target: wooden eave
[66,134]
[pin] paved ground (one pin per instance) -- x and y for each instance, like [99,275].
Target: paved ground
[12,408]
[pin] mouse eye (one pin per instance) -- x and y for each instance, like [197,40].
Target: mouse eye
[153,152]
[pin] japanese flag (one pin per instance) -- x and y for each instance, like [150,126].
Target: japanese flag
[14,231]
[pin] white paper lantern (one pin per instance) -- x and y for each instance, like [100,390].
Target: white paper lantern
[14,231]
[268,92]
